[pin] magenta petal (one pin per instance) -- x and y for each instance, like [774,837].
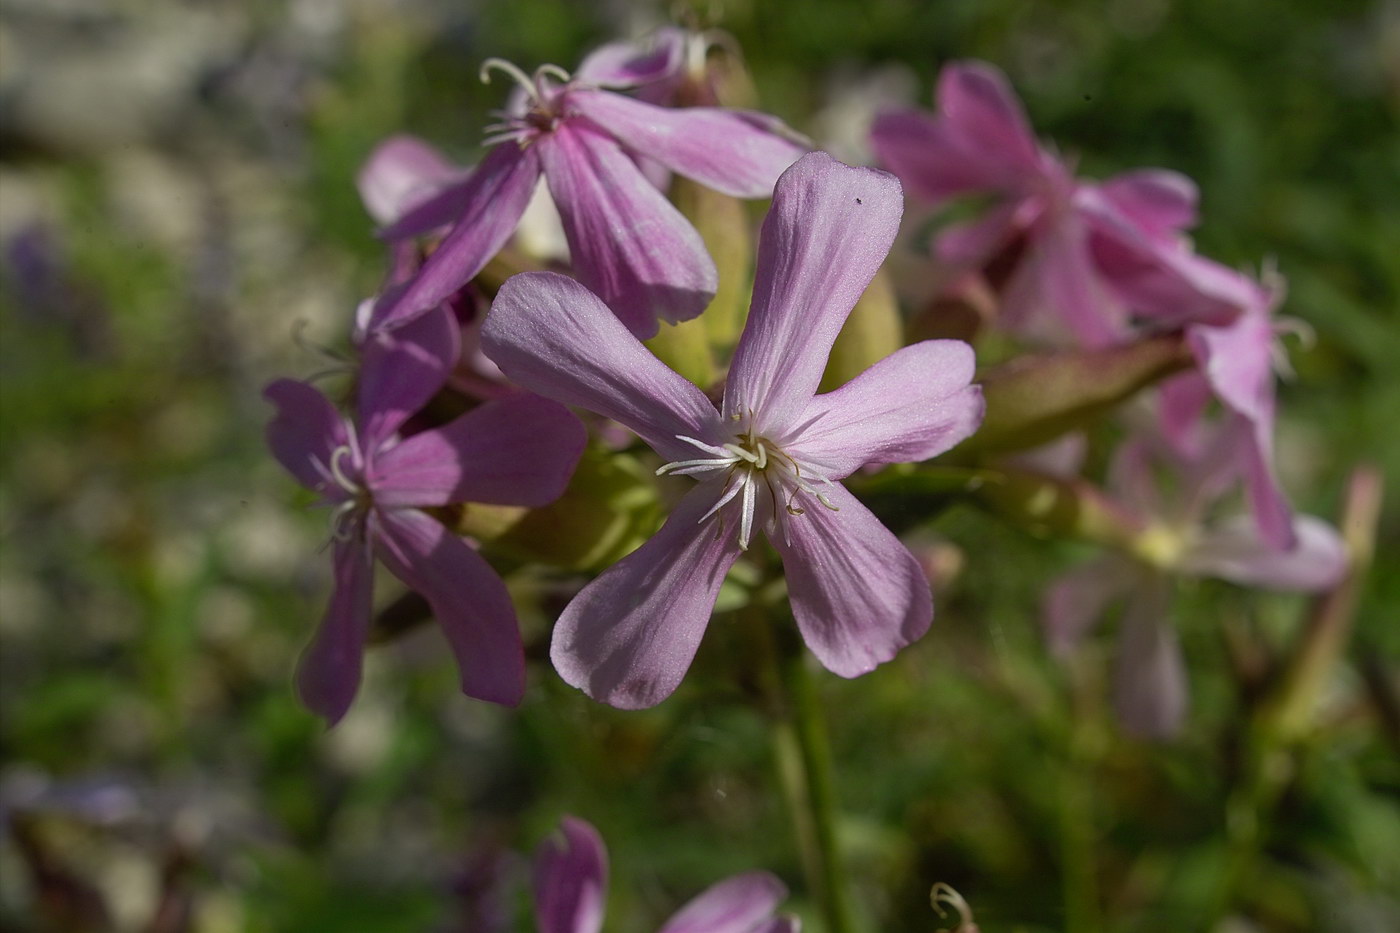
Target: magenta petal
[492,200]
[467,597]
[401,369]
[628,243]
[1235,552]
[733,152]
[628,637]
[305,433]
[517,450]
[857,593]
[1075,601]
[1150,679]
[1157,200]
[973,244]
[918,147]
[401,173]
[553,336]
[1183,401]
[829,229]
[977,100]
[735,905]
[328,673]
[631,64]
[781,925]
[912,405]
[571,880]
[1056,286]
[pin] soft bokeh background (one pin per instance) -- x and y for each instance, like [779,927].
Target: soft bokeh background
[176,197]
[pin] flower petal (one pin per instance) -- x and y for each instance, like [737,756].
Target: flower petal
[732,151]
[553,336]
[1158,200]
[571,879]
[401,369]
[977,100]
[919,148]
[627,64]
[1075,601]
[1150,679]
[490,203]
[828,231]
[517,450]
[1236,552]
[857,593]
[467,597]
[1056,288]
[734,905]
[628,637]
[305,432]
[328,674]
[628,243]
[912,405]
[401,173]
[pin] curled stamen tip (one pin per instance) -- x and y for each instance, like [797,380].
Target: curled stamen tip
[553,71]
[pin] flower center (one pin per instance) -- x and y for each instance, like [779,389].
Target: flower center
[351,495]
[543,112]
[760,474]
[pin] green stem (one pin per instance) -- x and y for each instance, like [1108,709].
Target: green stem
[803,754]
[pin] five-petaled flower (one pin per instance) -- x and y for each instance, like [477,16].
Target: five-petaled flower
[626,241]
[518,450]
[571,881]
[770,458]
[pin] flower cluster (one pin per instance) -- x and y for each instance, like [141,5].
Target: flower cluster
[779,447]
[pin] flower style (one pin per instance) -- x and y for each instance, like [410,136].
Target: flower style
[771,458]
[571,880]
[518,450]
[1089,253]
[1150,683]
[627,242]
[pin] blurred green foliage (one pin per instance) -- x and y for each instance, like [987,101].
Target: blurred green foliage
[158,576]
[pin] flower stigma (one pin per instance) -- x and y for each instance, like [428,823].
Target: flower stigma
[752,464]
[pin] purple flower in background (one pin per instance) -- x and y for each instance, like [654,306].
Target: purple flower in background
[1087,254]
[518,450]
[771,458]
[1150,682]
[571,881]
[627,242]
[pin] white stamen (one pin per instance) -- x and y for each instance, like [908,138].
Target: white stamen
[513,71]
[344,481]
[552,71]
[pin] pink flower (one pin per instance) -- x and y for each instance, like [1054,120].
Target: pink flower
[571,880]
[626,241]
[1150,682]
[518,450]
[769,459]
[1088,255]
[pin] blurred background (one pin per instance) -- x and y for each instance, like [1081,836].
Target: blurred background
[177,197]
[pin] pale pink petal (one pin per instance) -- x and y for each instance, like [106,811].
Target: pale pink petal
[328,673]
[632,64]
[401,369]
[467,597]
[1235,552]
[401,173]
[491,202]
[977,100]
[734,152]
[858,594]
[1272,512]
[927,156]
[1150,679]
[974,243]
[517,450]
[735,905]
[1076,600]
[1056,287]
[627,242]
[911,406]
[1183,401]
[1132,477]
[553,336]
[829,229]
[305,432]
[1160,201]
[571,879]
[628,637]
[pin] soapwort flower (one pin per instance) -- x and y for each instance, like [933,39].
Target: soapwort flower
[626,241]
[771,458]
[1178,539]
[571,881]
[518,450]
